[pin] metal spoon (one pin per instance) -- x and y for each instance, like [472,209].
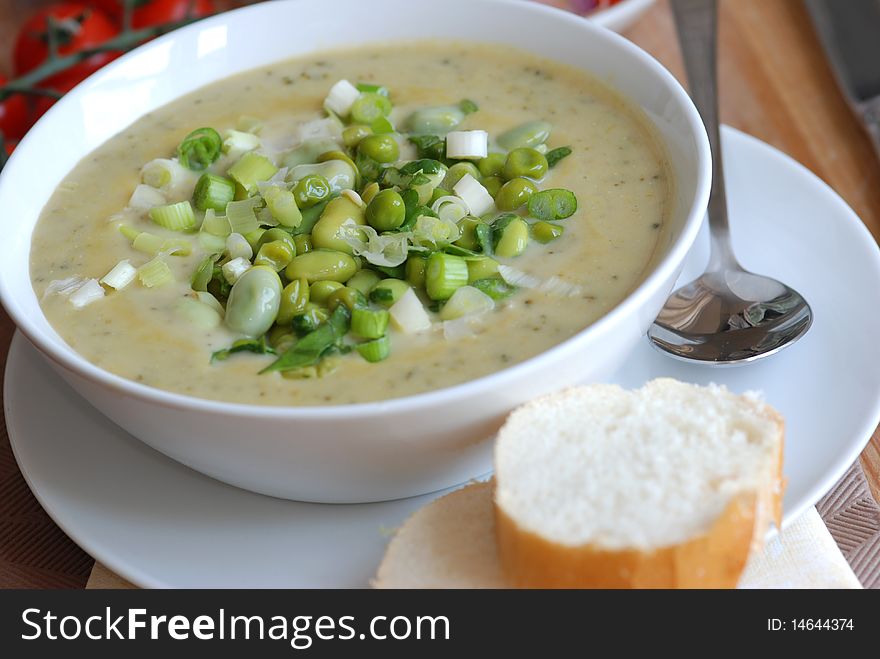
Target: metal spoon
[728,316]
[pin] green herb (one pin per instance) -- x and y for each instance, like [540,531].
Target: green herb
[468,106]
[557,154]
[314,346]
[429,146]
[256,346]
[495,288]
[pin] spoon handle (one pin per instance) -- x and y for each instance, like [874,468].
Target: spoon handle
[696,22]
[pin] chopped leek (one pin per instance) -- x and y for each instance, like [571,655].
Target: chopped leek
[474,194]
[467,301]
[120,276]
[444,274]
[241,217]
[213,192]
[249,124]
[164,174]
[152,244]
[204,273]
[250,169]
[341,97]
[177,217]
[145,197]
[234,269]
[89,292]
[237,143]
[467,144]
[282,205]
[369,324]
[200,149]
[216,225]
[375,350]
[155,273]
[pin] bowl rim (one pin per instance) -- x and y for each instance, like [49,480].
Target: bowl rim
[65,356]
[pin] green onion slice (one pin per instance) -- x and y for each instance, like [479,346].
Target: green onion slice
[200,149]
[375,350]
[177,217]
[256,346]
[369,324]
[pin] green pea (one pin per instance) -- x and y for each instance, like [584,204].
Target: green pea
[481,267]
[294,299]
[350,297]
[321,290]
[381,148]
[388,291]
[386,211]
[325,233]
[310,190]
[321,264]
[415,270]
[525,162]
[492,164]
[510,235]
[352,135]
[278,234]
[338,169]
[458,172]
[530,134]
[515,194]
[275,254]
[370,191]
[544,232]
[254,301]
[468,226]
[303,243]
[435,120]
[493,184]
[364,281]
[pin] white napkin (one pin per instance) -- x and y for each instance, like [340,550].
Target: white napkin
[804,555]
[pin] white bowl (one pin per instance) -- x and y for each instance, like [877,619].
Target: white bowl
[371,451]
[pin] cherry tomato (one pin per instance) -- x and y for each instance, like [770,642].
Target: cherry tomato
[10,147]
[148,13]
[14,119]
[78,27]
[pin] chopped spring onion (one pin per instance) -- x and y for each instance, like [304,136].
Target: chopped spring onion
[388,291]
[234,269]
[451,208]
[432,231]
[474,194]
[145,197]
[213,192]
[204,273]
[408,314]
[557,154]
[370,88]
[435,120]
[237,143]
[237,247]
[151,244]
[530,134]
[369,324]
[256,346]
[354,197]
[467,301]
[555,204]
[240,215]
[155,273]
[89,292]
[375,350]
[211,243]
[552,286]
[250,169]
[249,124]
[341,97]
[129,232]
[164,174]
[389,249]
[177,217]
[444,274]
[216,225]
[368,107]
[120,276]
[63,286]
[281,203]
[200,149]
[467,144]
[497,289]
[483,234]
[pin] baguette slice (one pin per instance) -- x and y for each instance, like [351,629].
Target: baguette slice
[668,486]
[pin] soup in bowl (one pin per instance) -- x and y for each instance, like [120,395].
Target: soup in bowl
[326,268]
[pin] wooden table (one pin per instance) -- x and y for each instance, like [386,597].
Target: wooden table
[775,85]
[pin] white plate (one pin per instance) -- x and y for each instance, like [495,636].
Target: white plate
[157,523]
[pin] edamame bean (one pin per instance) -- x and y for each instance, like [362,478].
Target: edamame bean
[322,264]
[326,232]
[340,173]
[492,164]
[525,162]
[275,254]
[350,297]
[386,211]
[467,226]
[381,148]
[481,267]
[416,265]
[352,135]
[337,173]
[253,238]
[457,172]
[510,235]
[515,194]
[435,120]
[303,243]
[278,234]
[388,291]
[529,134]
[294,299]
[321,290]
[311,189]
[364,281]
[493,185]
[254,302]
[544,232]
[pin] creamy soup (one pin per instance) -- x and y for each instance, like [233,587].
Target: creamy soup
[616,169]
